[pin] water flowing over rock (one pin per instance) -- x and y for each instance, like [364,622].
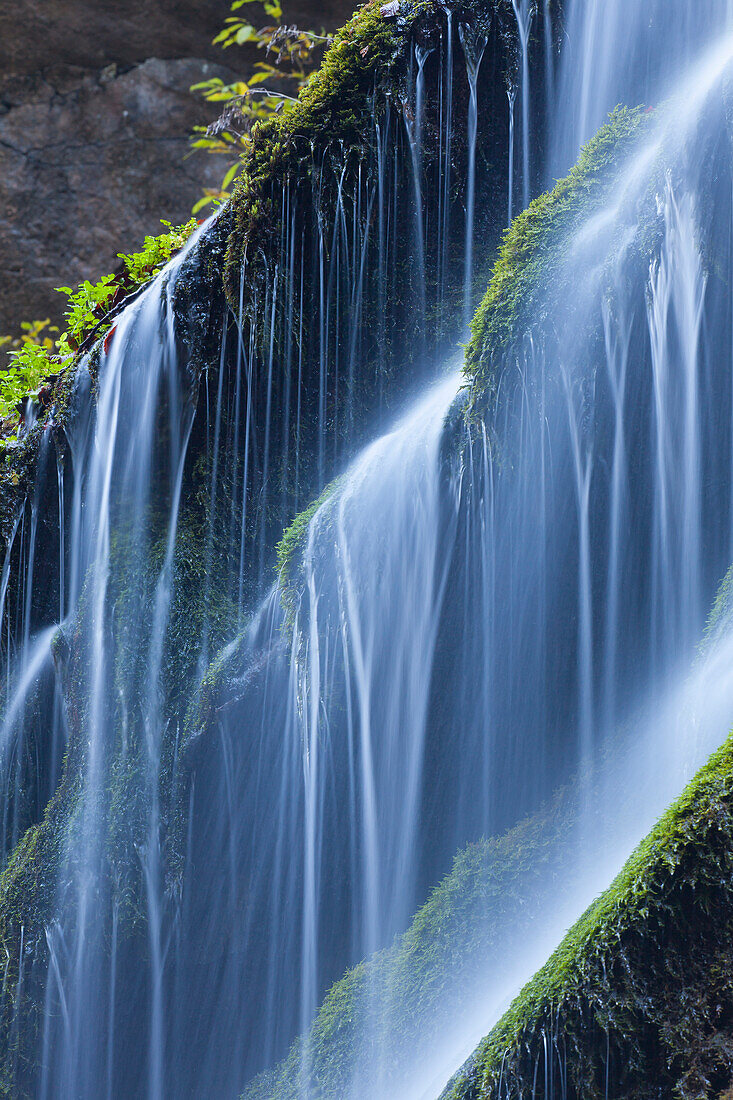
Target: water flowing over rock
[343,667]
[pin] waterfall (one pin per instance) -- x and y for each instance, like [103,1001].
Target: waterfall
[128,452]
[621,53]
[340,704]
[235,785]
[139,438]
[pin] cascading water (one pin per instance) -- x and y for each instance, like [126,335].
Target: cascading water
[347,721]
[534,533]
[622,53]
[138,440]
[475,612]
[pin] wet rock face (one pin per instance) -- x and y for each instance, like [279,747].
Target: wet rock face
[95,115]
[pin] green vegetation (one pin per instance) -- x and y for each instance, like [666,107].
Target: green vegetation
[291,545]
[245,102]
[333,106]
[526,279]
[463,941]
[624,979]
[290,549]
[720,614]
[31,332]
[30,368]
[141,266]
[627,978]
[37,358]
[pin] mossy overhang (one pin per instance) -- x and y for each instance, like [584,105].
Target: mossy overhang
[340,104]
[466,937]
[630,976]
[529,277]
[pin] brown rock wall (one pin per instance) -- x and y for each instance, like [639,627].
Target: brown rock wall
[95,117]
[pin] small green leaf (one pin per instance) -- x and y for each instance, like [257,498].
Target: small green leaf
[231,174]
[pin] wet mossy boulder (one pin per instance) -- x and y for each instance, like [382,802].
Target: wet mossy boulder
[535,271]
[370,146]
[390,1014]
[367,63]
[638,999]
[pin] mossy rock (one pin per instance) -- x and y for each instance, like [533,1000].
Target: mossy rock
[367,66]
[638,999]
[393,1011]
[369,52]
[531,277]
[291,548]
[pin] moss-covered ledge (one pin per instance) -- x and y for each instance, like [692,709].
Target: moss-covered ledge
[638,999]
[390,1013]
[332,105]
[529,278]
[367,61]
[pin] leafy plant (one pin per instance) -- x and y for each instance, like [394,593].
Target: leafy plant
[24,378]
[29,364]
[295,54]
[87,302]
[41,353]
[156,251]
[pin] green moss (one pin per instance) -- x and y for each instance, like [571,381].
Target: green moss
[720,615]
[534,248]
[332,106]
[404,1000]
[289,551]
[644,974]
[338,106]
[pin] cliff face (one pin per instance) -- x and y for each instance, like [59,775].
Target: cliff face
[95,116]
[70,159]
[41,36]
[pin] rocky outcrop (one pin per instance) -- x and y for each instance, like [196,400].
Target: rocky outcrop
[86,171]
[95,116]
